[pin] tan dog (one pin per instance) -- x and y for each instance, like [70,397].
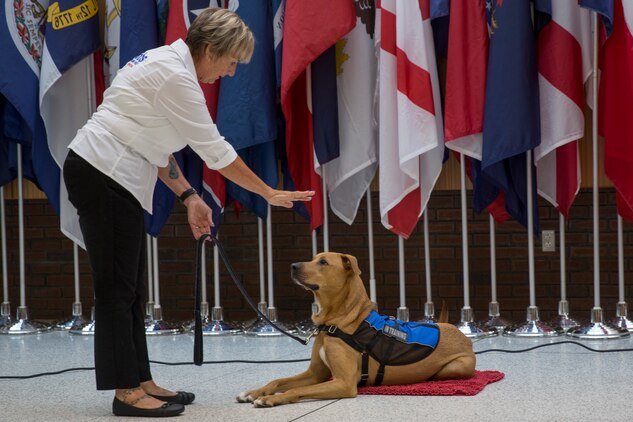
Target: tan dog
[335,367]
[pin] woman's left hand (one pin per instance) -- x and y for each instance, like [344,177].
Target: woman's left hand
[284,198]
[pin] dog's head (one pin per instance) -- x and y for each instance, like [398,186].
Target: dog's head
[328,272]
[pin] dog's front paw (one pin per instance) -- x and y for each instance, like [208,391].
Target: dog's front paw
[263,402]
[245,397]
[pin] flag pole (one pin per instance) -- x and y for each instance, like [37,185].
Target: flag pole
[429,307]
[370,236]
[533,327]
[258,326]
[326,229]
[563,320]
[5,308]
[621,319]
[467,321]
[157,325]
[495,321]
[215,325]
[262,328]
[22,324]
[149,305]
[403,311]
[596,328]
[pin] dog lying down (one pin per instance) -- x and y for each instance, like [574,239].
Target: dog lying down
[353,339]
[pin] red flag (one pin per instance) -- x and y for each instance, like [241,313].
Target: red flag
[467,64]
[616,106]
[309,29]
[564,51]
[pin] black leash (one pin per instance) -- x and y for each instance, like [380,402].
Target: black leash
[197,340]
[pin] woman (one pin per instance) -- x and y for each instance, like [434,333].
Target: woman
[153,108]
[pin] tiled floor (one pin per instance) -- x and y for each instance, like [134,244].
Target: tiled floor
[558,383]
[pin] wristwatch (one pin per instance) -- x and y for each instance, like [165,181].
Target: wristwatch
[186,194]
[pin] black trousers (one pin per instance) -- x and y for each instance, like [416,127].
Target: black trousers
[112,224]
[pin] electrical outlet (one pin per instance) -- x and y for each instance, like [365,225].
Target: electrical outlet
[549,241]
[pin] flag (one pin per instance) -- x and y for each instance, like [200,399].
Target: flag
[67,92]
[411,144]
[616,106]
[350,175]
[511,111]
[279,7]
[310,28]
[131,28]
[21,43]
[13,131]
[604,8]
[324,108]
[247,109]
[209,183]
[466,69]
[564,65]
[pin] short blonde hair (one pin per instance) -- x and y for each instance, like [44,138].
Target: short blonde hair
[224,32]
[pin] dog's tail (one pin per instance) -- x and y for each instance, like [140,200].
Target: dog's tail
[443,313]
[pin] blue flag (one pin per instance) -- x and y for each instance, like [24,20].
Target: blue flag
[247,110]
[325,107]
[13,131]
[278,32]
[602,7]
[511,113]
[21,43]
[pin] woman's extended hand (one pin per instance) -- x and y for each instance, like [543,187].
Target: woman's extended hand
[284,198]
[199,216]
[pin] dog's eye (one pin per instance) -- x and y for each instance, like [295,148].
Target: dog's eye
[323,262]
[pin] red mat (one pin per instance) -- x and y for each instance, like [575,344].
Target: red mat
[468,387]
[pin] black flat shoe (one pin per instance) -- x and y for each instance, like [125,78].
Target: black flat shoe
[181,397]
[120,408]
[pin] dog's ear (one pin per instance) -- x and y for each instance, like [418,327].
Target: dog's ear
[350,263]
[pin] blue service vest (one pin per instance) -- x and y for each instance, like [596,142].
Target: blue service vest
[389,341]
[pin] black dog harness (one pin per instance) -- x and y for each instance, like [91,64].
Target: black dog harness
[389,341]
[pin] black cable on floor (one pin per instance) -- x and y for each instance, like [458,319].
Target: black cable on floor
[41,374]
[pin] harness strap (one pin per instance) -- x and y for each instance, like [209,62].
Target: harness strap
[333,331]
[381,369]
[365,350]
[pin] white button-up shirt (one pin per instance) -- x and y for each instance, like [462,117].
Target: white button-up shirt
[153,108]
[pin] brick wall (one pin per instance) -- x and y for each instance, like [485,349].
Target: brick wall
[49,261]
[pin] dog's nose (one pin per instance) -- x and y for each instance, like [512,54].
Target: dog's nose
[295,266]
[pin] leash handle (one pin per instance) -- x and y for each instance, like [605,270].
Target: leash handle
[197,340]
[197,317]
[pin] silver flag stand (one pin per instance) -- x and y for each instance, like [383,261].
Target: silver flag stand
[370,236]
[77,318]
[22,324]
[149,305]
[621,319]
[5,307]
[495,320]
[429,307]
[467,321]
[533,326]
[262,328]
[563,320]
[156,325]
[215,324]
[403,312]
[596,328]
